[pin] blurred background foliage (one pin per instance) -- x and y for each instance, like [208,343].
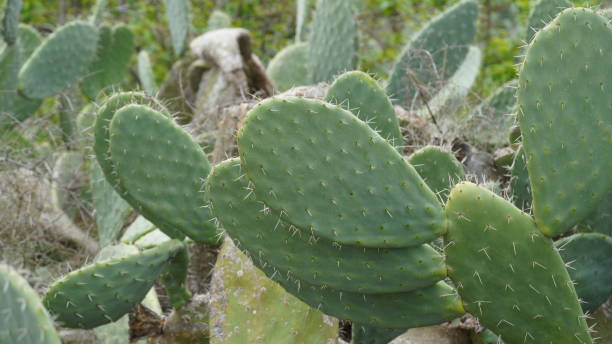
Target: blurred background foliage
[385,25]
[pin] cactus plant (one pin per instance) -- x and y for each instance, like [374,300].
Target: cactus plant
[542,13]
[440,169]
[115,49]
[434,53]
[177,12]
[145,74]
[10,21]
[23,319]
[332,47]
[103,292]
[289,67]
[508,274]
[562,107]
[60,60]
[520,188]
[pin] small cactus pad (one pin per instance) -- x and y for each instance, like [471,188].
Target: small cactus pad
[520,188]
[440,169]
[111,209]
[247,307]
[177,12]
[10,21]
[218,20]
[508,274]
[315,260]
[23,319]
[542,13]
[289,67]
[59,61]
[163,170]
[360,94]
[589,257]
[103,292]
[145,74]
[14,107]
[334,175]
[435,53]
[565,118]
[115,49]
[333,43]
[29,40]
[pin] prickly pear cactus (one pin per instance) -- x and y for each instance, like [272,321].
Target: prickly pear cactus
[360,193]
[103,292]
[508,274]
[565,118]
[589,257]
[435,53]
[495,116]
[599,219]
[360,94]
[10,21]
[115,49]
[333,43]
[23,319]
[440,169]
[145,74]
[363,334]
[520,188]
[59,61]
[289,68]
[177,12]
[247,307]
[312,259]
[542,13]
[162,168]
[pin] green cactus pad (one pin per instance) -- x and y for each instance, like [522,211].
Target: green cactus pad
[163,169]
[14,107]
[301,15]
[139,228]
[177,12]
[422,307]
[439,168]
[145,74]
[315,260]
[29,40]
[59,61]
[103,292]
[589,256]
[329,172]
[10,21]
[565,118]
[118,331]
[174,278]
[435,53]
[102,143]
[542,13]
[111,209]
[23,319]
[364,334]
[360,94]
[247,307]
[508,274]
[98,12]
[333,43]
[115,49]
[152,238]
[520,188]
[218,20]
[496,115]
[289,67]
[68,171]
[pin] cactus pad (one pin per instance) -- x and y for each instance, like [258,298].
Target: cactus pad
[163,170]
[542,13]
[10,21]
[565,118]
[332,47]
[145,74]
[103,292]
[360,94]
[519,181]
[589,256]
[115,49]
[177,12]
[508,274]
[359,192]
[23,319]
[440,169]
[315,260]
[435,53]
[289,67]
[59,61]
